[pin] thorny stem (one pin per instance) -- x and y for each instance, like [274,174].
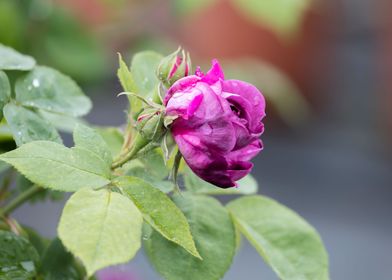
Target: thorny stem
[20,199]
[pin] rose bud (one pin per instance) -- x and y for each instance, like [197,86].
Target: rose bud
[150,124]
[173,67]
[217,124]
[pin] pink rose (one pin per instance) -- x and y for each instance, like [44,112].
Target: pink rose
[218,124]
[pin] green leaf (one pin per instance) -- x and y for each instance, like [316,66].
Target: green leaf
[5,135]
[128,84]
[154,164]
[125,76]
[214,234]
[3,166]
[47,89]
[61,122]
[12,60]
[40,243]
[102,228]
[159,211]
[89,139]
[138,170]
[113,138]
[23,184]
[247,185]
[59,264]
[5,91]
[282,16]
[143,72]
[287,242]
[18,258]
[54,166]
[27,126]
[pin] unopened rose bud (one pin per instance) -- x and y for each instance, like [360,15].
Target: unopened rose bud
[150,124]
[174,67]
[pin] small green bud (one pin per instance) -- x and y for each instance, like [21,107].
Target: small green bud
[174,67]
[150,124]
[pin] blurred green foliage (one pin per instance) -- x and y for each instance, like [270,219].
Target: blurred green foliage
[54,36]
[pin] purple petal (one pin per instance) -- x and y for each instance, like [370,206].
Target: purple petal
[217,135]
[248,99]
[214,74]
[246,153]
[182,85]
[239,169]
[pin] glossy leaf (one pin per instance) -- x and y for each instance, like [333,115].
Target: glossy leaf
[57,263]
[282,16]
[54,166]
[27,126]
[214,235]
[5,91]
[89,139]
[286,241]
[18,258]
[102,228]
[47,89]
[13,60]
[247,185]
[159,211]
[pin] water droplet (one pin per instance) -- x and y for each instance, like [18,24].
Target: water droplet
[36,83]
[145,81]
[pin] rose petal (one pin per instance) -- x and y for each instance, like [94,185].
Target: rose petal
[214,74]
[183,85]
[249,99]
[246,153]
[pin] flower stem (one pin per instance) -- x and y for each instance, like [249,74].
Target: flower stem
[6,184]
[139,143]
[20,199]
